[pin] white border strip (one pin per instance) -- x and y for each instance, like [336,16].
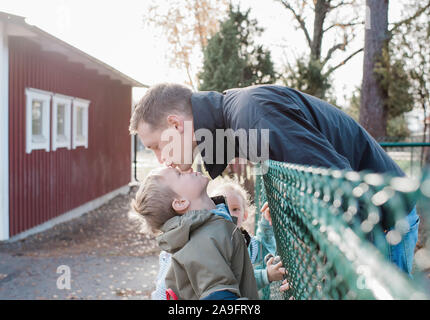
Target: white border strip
[4,133]
[75,213]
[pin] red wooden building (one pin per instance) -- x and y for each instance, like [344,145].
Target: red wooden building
[64,142]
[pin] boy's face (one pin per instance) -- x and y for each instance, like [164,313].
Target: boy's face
[190,186]
[236,207]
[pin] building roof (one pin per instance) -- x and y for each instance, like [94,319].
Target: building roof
[17,26]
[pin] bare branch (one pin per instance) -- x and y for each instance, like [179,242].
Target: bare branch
[299,20]
[344,25]
[332,69]
[339,46]
[341,4]
[411,18]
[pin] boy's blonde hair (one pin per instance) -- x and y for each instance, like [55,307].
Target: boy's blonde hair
[153,201]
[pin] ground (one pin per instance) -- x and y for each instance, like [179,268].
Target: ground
[108,253]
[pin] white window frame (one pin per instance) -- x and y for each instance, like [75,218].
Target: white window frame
[67,141]
[41,142]
[80,103]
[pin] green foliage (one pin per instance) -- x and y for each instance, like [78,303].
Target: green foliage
[354,106]
[232,59]
[307,76]
[397,128]
[394,79]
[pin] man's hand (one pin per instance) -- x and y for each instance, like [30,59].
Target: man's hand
[266,212]
[275,272]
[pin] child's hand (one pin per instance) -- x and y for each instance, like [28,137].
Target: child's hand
[266,212]
[275,271]
[285,286]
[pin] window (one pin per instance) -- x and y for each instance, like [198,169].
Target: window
[80,123]
[61,122]
[37,119]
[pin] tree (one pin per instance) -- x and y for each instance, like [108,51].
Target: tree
[187,25]
[397,129]
[232,59]
[412,43]
[311,74]
[373,113]
[386,85]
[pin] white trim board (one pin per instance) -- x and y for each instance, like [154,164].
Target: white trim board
[72,214]
[4,133]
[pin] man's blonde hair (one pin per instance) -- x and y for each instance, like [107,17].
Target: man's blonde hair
[159,101]
[153,201]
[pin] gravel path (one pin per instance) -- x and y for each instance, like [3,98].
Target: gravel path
[108,254]
[91,277]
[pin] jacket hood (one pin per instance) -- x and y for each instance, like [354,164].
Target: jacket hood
[176,231]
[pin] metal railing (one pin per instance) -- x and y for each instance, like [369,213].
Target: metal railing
[410,156]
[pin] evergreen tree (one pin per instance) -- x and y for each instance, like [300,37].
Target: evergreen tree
[232,59]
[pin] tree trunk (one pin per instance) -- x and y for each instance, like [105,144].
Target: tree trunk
[321,9]
[373,113]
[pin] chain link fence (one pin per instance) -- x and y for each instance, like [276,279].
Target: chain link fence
[329,231]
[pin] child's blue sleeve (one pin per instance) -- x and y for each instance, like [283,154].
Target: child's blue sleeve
[266,237]
[261,278]
[263,243]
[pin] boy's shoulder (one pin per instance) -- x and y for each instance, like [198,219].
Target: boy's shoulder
[215,227]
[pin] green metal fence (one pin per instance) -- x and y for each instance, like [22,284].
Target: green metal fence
[328,231]
[409,155]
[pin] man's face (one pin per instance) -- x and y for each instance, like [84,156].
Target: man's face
[190,185]
[176,152]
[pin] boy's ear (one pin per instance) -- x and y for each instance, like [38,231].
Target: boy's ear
[176,121]
[180,205]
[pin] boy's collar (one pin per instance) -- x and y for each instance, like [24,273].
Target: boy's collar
[218,200]
[221,199]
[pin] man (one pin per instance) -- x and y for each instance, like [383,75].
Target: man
[301,129]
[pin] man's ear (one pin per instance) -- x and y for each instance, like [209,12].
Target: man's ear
[245,215]
[176,121]
[180,205]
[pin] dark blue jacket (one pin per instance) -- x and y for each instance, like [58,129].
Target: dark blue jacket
[303,129]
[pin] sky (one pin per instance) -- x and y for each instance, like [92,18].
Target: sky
[114,32]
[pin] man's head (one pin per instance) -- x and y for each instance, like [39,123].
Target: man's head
[165,109]
[166,193]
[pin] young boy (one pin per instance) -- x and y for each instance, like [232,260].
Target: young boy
[209,256]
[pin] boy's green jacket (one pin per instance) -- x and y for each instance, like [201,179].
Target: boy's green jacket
[209,254]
